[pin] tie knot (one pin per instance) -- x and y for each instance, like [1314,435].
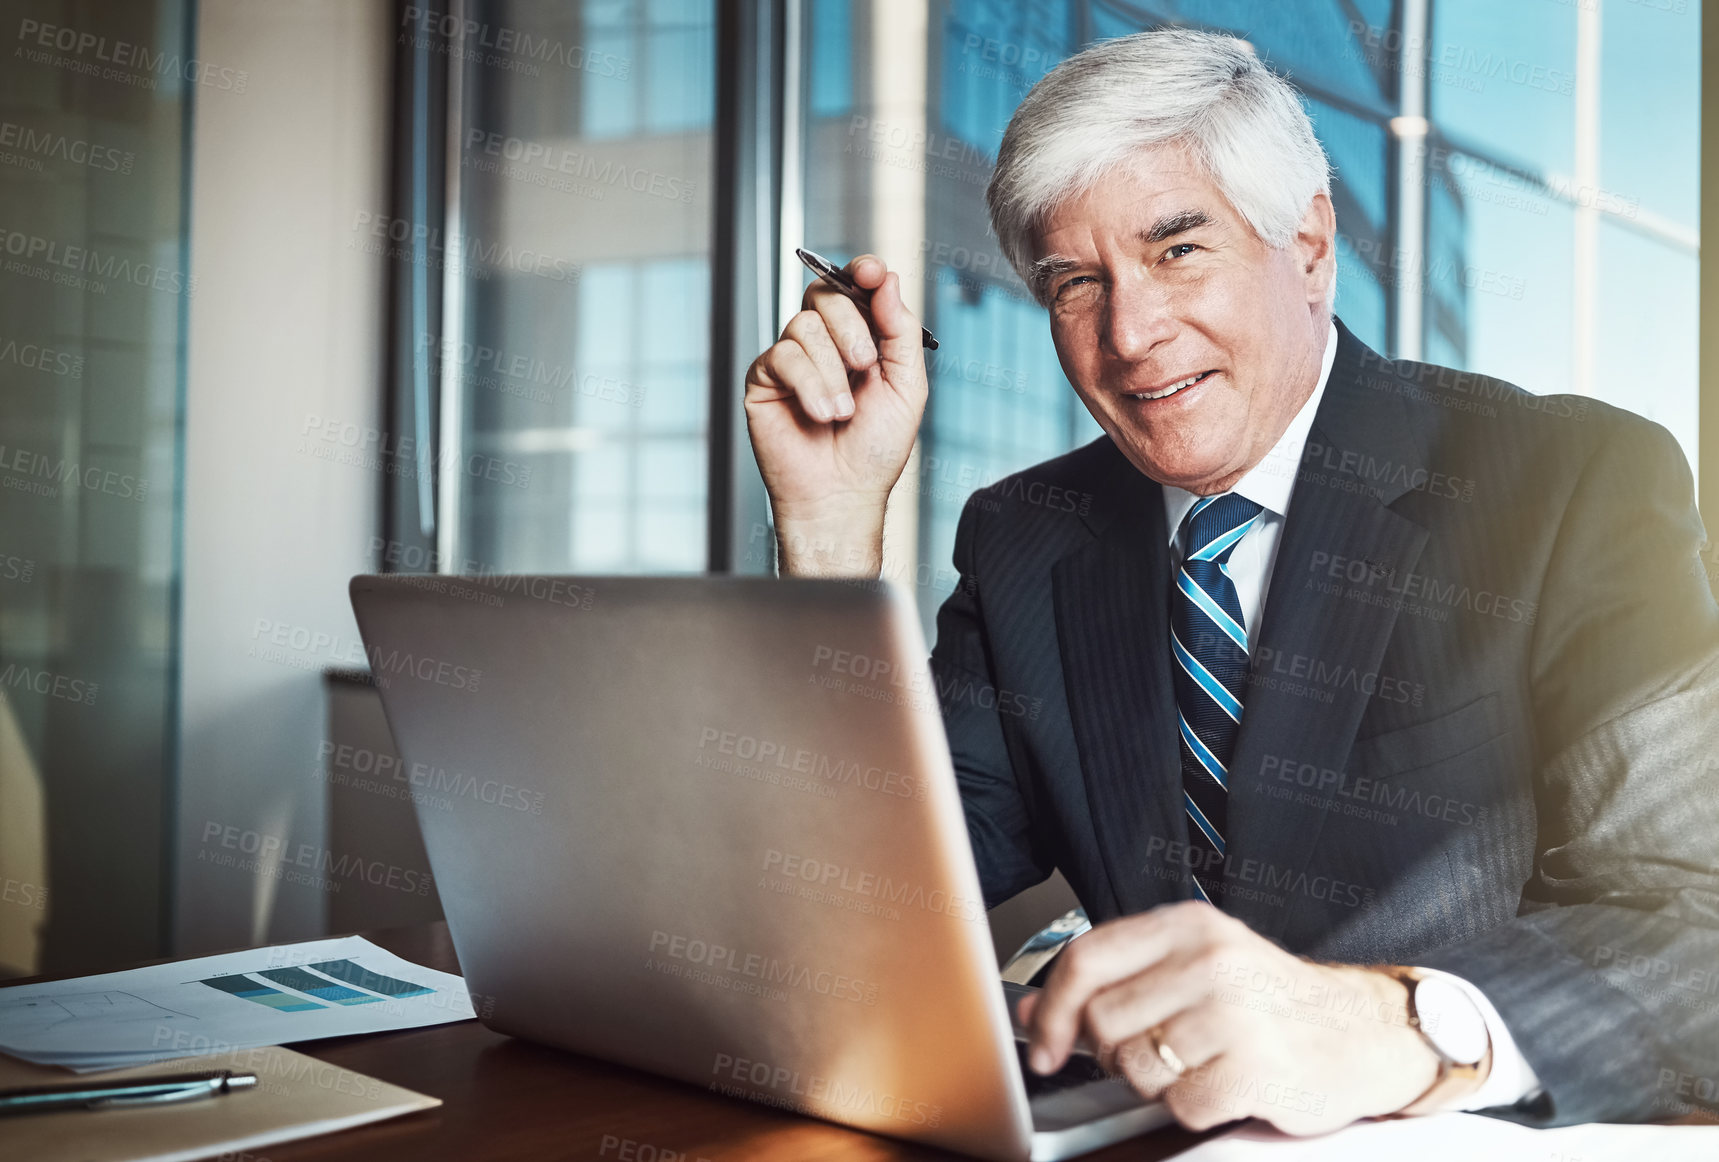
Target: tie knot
[1214,525]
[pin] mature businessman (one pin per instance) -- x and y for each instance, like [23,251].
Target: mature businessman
[1379,698]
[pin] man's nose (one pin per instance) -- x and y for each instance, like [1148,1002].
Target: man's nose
[1137,318]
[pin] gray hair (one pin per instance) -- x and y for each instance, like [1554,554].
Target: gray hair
[1205,91]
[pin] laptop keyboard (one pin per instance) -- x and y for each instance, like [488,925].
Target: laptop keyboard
[1079,1069]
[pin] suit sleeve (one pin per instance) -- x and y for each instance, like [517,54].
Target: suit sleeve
[1608,978]
[998,813]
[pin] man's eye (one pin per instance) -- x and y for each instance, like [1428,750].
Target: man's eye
[1180,249]
[1075,281]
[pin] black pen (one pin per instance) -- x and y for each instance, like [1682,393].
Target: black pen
[832,274]
[162,1089]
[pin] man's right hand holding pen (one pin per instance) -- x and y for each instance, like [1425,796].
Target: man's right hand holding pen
[833,408]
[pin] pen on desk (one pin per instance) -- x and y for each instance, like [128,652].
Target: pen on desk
[162,1089]
[832,274]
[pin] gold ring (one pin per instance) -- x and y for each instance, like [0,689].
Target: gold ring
[1168,1055]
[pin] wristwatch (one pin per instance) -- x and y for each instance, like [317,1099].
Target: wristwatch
[1452,1028]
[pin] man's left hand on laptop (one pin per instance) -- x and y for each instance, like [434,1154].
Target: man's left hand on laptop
[1255,1030]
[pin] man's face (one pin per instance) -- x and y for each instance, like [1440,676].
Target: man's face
[1162,281]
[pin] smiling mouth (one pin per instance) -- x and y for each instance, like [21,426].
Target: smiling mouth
[1167,392]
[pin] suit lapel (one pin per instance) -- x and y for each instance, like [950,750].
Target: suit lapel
[1112,620]
[1314,620]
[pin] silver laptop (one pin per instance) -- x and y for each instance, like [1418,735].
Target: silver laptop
[709,828]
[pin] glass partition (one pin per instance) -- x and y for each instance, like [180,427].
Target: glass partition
[585,183]
[94,288]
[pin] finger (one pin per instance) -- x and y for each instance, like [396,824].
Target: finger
[762,382]
[867,271]
[900,338]
[1198,1099]
[1139,1063]
[896,330]
[1170,989]
[849,322]
[1195,1037]
[811,331]
[846,325]
[787,369]
[1103,957]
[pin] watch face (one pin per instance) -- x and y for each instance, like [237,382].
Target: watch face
[1451,1021]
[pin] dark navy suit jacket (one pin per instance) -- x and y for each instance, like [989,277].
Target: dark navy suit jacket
[1479,731]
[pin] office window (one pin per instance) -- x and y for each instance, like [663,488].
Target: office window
[992,52]
[637,496]
[830,63]
[999,402]
[668,81]
[584,335]
[1492,283]
[1542,182]
[1557,243]
[1319,43]
[1359,149]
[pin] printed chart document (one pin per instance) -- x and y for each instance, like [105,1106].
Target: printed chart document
[238,1000]
[295,1097]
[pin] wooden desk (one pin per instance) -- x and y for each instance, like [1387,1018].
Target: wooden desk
[510,1100]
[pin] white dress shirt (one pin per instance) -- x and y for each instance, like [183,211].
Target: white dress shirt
[1271,485]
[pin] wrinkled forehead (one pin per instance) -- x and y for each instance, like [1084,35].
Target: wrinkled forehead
[1153,192]
[1153,196]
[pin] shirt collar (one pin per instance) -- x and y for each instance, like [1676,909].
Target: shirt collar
[1270,482]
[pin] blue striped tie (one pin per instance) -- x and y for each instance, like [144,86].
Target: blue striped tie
[1209,640]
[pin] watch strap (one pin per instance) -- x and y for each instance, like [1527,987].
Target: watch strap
[1455,1079]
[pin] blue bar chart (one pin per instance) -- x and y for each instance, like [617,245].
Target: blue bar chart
[361,977]
[247,989]
[319,987]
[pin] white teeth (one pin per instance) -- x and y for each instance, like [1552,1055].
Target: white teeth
[1171,390]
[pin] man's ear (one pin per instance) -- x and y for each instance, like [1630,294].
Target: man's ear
[1316,247]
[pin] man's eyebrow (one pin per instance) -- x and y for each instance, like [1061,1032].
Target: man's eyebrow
[1045,269]
[1040,274]
[1171,225]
